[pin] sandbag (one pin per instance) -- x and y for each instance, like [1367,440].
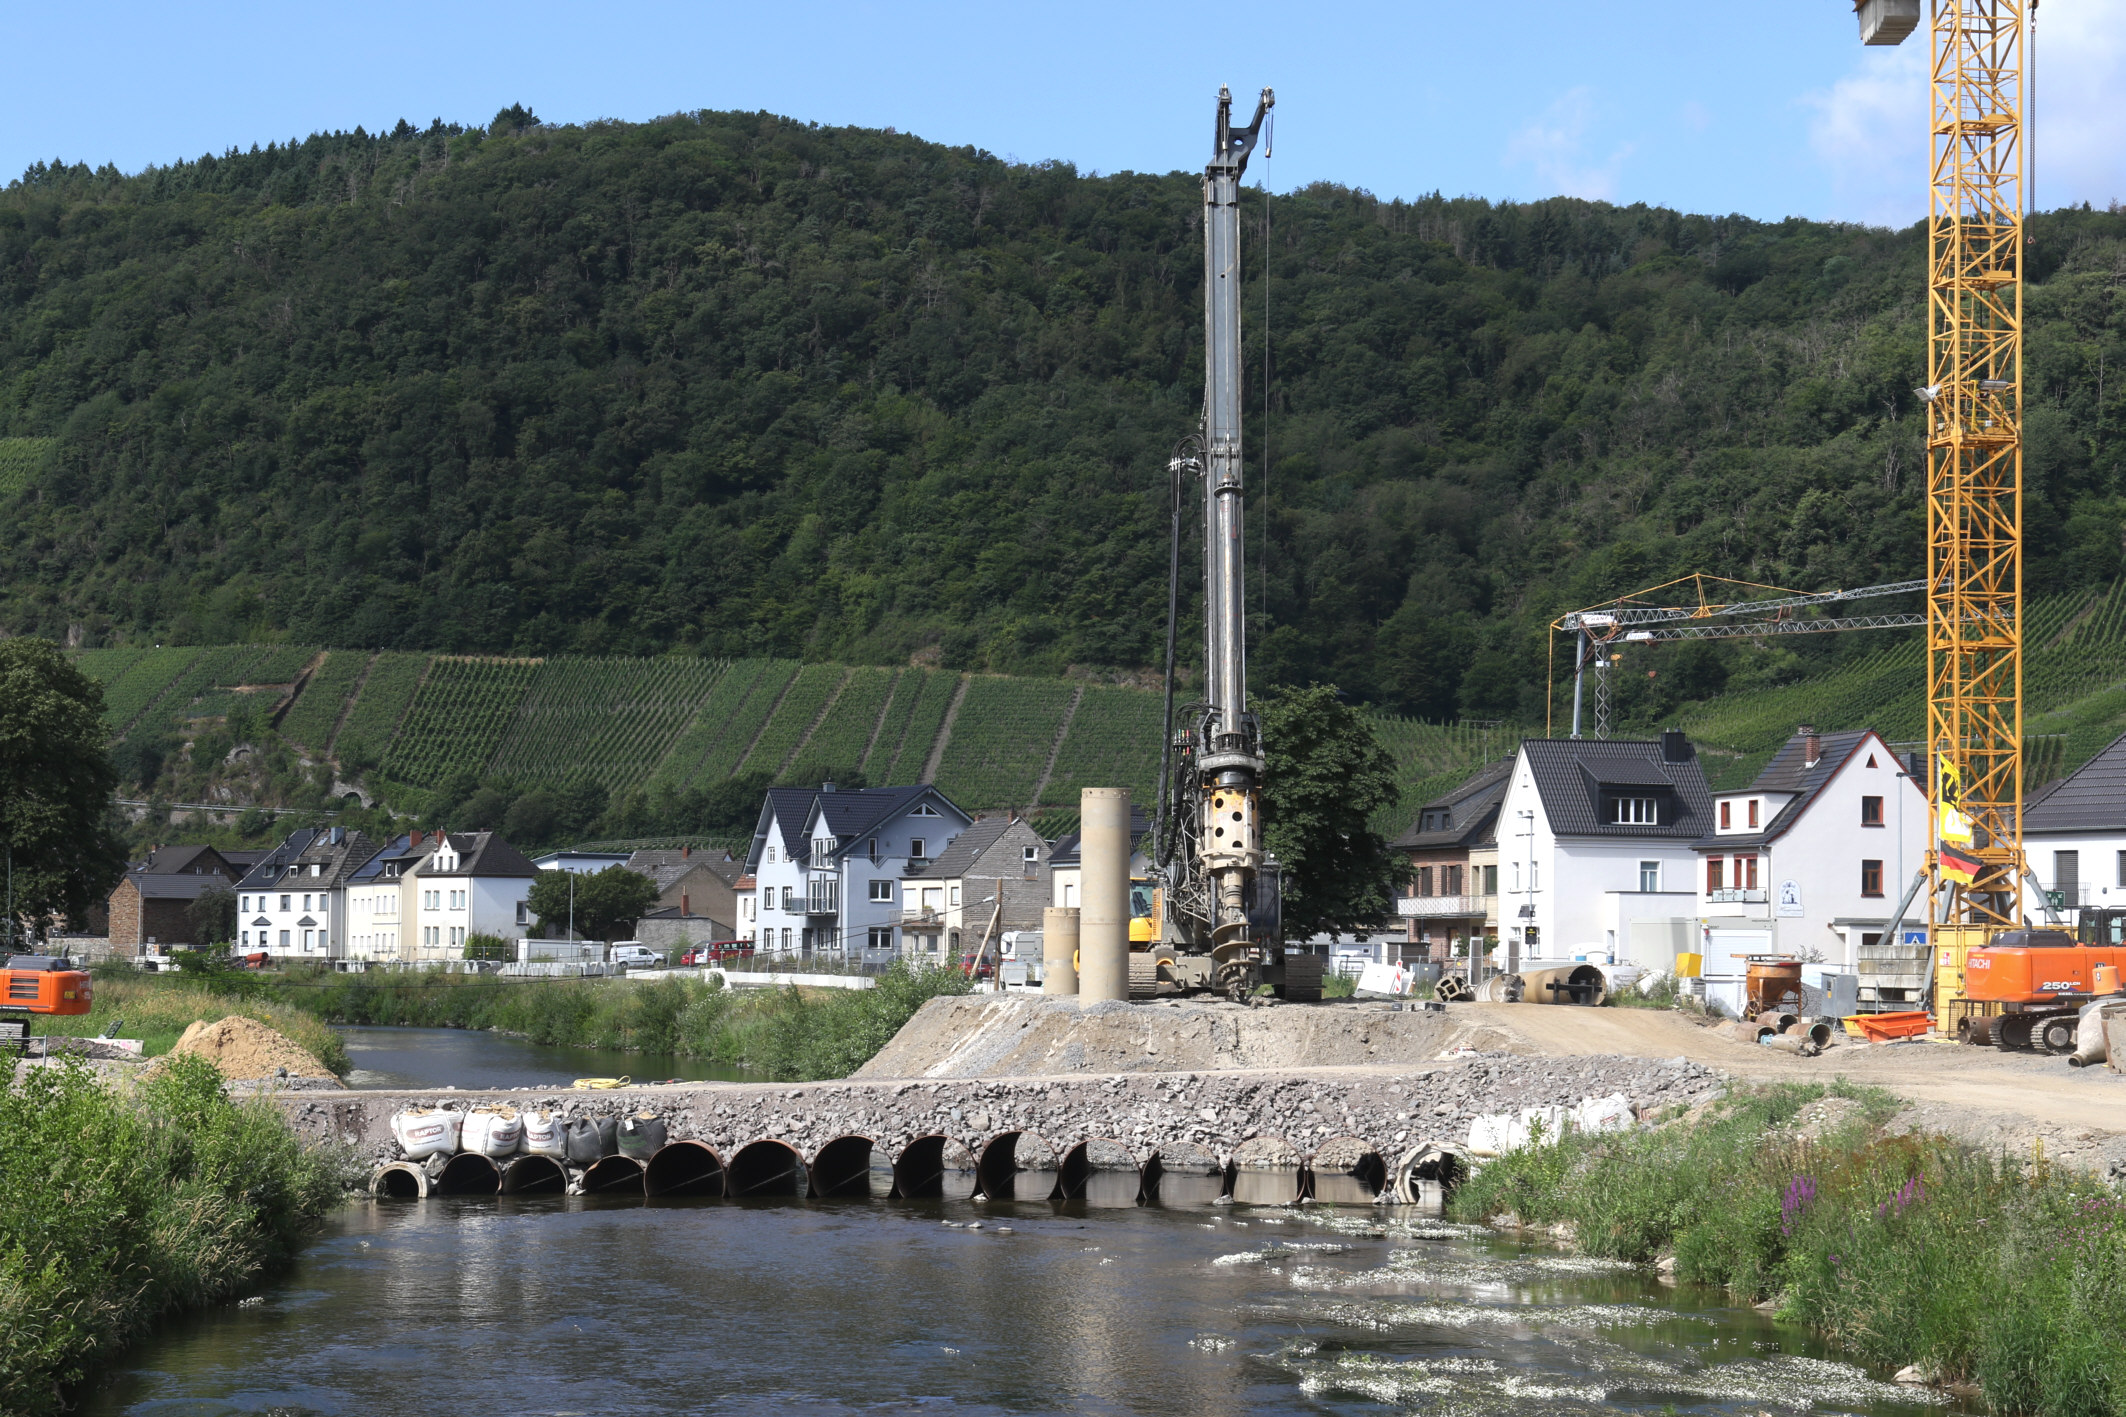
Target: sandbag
[641,1135]
[542,1135]
[591,1139]
[491,1131]
[423,1132]
[1604,1114]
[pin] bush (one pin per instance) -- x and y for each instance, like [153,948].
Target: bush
[120,1210]
[1904,1249]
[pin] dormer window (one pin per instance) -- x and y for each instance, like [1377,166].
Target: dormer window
[1635,812]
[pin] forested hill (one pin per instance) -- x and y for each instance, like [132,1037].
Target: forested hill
[737,384]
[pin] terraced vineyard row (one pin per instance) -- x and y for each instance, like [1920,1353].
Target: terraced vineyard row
[841,738]
[926,719]
[1113,742]
[815,687]
[613,718]
[382,703]
[316,711]
[458,718]
[1001,740]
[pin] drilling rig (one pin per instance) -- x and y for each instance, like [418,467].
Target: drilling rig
[1215,919]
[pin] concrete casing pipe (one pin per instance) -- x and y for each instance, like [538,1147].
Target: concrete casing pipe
[1103,920]
[1059,949]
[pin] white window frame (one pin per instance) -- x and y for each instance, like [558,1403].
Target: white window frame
[1635,812]
[1650,871]
[882,889]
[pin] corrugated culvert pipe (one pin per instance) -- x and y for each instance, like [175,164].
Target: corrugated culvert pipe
[684,1168]
[1018,1166]
[766,1169]
[399,1181]
[614,1176]
[1102,1173]
[935,1168]
[469,1174]
[845,1167]
[534,1176]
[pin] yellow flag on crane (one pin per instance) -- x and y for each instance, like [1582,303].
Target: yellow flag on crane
[1949,794]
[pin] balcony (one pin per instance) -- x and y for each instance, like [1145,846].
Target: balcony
[1436,907]
[1737,897]
[931,919]
[823,896]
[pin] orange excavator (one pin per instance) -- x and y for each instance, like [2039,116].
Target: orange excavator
[2039,980]
[39,984]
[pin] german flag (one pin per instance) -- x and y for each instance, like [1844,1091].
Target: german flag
[1958,866]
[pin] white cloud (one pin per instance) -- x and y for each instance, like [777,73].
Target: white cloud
[1556,145]
[1869,131]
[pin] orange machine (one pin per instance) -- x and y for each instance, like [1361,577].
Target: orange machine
[2040,979]
[43,984]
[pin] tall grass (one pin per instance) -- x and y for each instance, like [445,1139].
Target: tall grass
[784,1034]
[157,1011]
[1904,1248]
[120,1209]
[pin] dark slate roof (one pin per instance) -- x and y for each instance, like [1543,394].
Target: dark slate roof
[964,848]
[666,867]
[373,868]
[341,858]
[1787,773]
[2091,798]
[850,814]
[245,859]
[269,868]
[1472,812]
[1567,771]
[157,886]
[487,854]
[185,861]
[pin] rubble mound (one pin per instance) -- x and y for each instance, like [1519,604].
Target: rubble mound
[245,1049]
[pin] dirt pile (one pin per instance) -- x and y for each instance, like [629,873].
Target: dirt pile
[1019,1035]
[245,1049]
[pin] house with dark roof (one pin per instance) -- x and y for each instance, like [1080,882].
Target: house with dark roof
[992,878]
[1595,837]
[2074,836]
[292,904]
[1809,859]
[1453,893]
[693,883]
[828,863]
[150,902]
[425,893]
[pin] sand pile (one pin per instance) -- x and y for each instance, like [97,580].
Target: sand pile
[244,1048]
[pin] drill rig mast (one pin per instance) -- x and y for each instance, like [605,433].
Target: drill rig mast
[1218,925]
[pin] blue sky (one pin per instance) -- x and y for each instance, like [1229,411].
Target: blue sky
[1766,107]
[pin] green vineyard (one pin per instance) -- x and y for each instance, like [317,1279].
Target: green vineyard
[675,724]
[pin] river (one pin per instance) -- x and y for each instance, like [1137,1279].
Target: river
[472,1058]
[579,1307]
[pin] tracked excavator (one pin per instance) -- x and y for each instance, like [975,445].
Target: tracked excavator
[32,985]
[1213,921]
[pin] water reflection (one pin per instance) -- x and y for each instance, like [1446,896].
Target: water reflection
[582,1304]
[473,1059]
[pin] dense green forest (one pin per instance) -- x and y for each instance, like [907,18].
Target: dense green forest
[743,387]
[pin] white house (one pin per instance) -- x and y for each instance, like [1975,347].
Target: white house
[421,897]
[291,905]
[2074,837]
[827,865]
[1594,847]
[1811,858]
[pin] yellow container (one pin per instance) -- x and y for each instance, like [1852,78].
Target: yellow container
[1689,964]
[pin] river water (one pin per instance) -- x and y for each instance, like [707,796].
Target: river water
[474,1058]
[575,1307]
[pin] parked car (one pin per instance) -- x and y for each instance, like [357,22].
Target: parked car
[633,954]
[718,952]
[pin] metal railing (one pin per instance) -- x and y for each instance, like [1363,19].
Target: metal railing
[1439,905]
[1738,897]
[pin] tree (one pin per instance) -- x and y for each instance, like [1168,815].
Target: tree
[1326,778]
[531,819]
[211,917]
[487,947]
[607,903]
[56,782]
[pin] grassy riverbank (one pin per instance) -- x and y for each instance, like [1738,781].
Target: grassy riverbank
[1998,1271]
[122,1207]
[158,1009]
[785,1034]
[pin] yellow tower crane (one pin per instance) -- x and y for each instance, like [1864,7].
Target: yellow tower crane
[1978,78]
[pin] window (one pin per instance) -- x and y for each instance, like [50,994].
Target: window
[924,809]
[1871,760]
[769,855]
[880,938]
[1635,812]
[247,939]
[916,851]
[2122,868]
[882,890]
[1030,858]
[1753,811]
[284,939]
[1714,872]
[823,849]
[1516,878]
[1649,875]
[871,850]
[322,902]
[1451,880]
[317,868]
[1727,819]
[1491,880]
[1871,811]
[952,893]
[523,912]
[309,938]
[1745,873]
[1424,880]
[284,901]
[306,902]
[243,903]
[933,896]
[1871,878]
[787,894]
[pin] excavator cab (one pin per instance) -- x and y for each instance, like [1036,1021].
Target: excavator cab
[1144,914]
[2101,926]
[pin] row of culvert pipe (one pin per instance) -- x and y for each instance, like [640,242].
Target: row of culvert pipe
[1011,1166]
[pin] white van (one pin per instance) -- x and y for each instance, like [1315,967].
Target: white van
[633,954]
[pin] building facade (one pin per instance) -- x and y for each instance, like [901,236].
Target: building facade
[292,904]
[2074,838]
[1452,897]
[828,864]
[1595,846]
[1811,858]
[993,877]
[420,898]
